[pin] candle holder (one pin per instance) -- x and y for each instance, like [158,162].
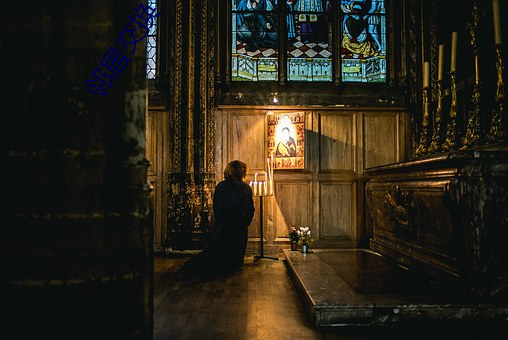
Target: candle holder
[422,146]
[472,136]
[435,145]
[450,142]
[496,133]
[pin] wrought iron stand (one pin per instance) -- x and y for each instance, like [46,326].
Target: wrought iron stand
[262,253]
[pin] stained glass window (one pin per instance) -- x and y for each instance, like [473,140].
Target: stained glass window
[316,33]
[363,41]
[151,44]
[254,40]
[309,37]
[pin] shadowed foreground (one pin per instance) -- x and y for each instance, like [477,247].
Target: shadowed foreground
[261,302]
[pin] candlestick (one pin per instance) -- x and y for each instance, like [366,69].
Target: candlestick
[497,126]
[435,145]
[450,142]
[422,147]
[426,74]
[497,22]
[472,135]
[440,62]
[453,60]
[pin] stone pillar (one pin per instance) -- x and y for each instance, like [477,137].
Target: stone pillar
[191,175]
[75,241]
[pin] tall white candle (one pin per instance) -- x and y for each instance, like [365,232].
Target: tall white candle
[255,177]
[440,62]
[269,171]
[497,22]
[426,74]
[453,54]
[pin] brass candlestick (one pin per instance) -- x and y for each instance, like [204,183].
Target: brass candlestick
[496,133]
[422,147]
[435,144]
[450,142]
[472,136]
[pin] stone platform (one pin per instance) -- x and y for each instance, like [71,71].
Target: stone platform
[350,287]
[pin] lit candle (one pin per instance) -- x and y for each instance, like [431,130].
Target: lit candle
[426,74]
[453,61]
[260,188]
[265,191]
[255,177]
[497,22]
[440,62]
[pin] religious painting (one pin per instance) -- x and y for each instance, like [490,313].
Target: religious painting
[286,140]
[363,41]
[254,40]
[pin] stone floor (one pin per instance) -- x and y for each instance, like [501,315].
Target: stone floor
[263,302]
[359,287]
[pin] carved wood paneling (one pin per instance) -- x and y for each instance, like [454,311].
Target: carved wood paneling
[337,210]
[293,207]
[151,142]
[380,139]
[156,154]
[337,142]
[325,196]
[247,140]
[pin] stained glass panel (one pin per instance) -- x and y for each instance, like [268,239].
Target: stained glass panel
[309,28]
[363,41]
[254,40]
[151,44]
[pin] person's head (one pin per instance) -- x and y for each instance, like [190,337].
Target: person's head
[285,133]
[235,170]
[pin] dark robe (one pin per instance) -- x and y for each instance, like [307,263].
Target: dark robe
[233,208]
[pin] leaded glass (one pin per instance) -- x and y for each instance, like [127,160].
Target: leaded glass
[363,41]
[254,40]
[151,44]
[309,29]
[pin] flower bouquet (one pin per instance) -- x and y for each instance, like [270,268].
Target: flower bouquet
[294,238]
[305,238]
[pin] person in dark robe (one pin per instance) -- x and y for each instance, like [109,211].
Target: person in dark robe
[256,25]
[233,208]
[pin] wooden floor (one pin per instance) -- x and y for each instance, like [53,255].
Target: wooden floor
[259,302]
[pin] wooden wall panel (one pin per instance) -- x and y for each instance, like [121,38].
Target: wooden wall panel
[293,207]
[156,140]
[337,209]
[380,139]
[336,142]
[327,195]
[247,140]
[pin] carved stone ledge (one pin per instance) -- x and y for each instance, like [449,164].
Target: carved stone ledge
[446,216]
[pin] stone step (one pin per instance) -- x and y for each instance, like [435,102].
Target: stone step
[348,287]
